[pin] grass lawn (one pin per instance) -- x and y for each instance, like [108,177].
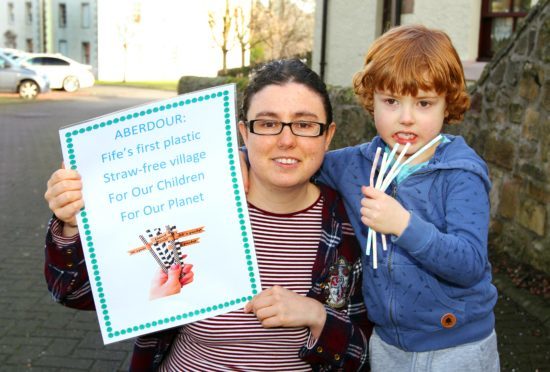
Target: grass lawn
[11,98]
[163,85]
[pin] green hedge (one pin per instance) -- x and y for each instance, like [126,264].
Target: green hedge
[188,84]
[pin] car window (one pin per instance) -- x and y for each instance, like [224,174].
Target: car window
[35,61]
[50,61]
[2,62]
[47,61]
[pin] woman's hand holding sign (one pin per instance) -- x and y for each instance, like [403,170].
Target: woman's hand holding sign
[64,197]
[280,307]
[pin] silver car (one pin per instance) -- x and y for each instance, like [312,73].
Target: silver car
[18,79]
[62,72]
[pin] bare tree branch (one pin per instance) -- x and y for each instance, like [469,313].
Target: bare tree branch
[222,38]
[283,28]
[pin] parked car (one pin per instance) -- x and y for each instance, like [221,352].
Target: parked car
[62,72]
[18,79]
[14,54]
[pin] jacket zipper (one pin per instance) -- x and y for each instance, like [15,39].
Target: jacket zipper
[390,256]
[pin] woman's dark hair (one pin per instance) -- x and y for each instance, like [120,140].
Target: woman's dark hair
[284,71]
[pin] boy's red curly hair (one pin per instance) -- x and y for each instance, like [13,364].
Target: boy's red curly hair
[410,58]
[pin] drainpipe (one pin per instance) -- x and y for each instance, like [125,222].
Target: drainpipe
[323,61]
[398,5]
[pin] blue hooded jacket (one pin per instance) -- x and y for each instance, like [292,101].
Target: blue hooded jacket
[432,288]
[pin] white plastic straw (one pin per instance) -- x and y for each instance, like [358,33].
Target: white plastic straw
[374,164]
[369,242]
[372,171]
[393,169]
[374,253]
[381,180]
[389,180]
[383,166]
[382,183]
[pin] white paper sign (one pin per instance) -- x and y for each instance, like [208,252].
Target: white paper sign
[162,173]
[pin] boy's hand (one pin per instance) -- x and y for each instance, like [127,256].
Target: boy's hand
[383,213]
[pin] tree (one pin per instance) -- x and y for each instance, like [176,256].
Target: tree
[283,28]
[222,37]
[242,31]
[127,27]
[269,30]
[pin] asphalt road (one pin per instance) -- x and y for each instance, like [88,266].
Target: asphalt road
[38,335]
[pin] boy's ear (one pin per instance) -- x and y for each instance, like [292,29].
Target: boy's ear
[329,135]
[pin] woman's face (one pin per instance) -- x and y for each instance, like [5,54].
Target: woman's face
[285,160]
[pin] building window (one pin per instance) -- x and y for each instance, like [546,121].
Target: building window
[30,45]
[392,11]
[407,6]
[86,52]
[499,19]
[28,13]
[62,15]
[10,39]
[11,14]
[62,47]
[85,15]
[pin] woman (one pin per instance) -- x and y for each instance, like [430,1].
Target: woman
[310,314]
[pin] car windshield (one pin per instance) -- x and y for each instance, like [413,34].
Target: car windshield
[5,58]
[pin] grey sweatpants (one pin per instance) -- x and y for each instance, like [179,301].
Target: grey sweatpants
[479,356]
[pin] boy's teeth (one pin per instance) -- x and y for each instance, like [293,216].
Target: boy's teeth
[405,135]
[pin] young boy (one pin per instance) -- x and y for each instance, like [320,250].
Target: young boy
[431,297]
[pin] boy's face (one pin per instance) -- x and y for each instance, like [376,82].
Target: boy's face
[407,119]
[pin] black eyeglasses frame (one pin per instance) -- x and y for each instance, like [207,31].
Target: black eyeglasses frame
[250,125]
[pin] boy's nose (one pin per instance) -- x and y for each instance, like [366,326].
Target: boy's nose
[406,117]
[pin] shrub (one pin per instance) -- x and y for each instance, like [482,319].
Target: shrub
[188,84]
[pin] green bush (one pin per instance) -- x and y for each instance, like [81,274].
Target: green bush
[188,84]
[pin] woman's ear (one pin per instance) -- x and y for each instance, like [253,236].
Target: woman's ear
[244,132]
[329,135]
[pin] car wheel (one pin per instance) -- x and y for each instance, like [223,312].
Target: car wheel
[28,89]
[71,84]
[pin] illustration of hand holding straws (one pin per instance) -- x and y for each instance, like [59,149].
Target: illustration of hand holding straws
[166,249]
[384,180]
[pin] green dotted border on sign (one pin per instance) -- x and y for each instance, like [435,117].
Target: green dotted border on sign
[95,275]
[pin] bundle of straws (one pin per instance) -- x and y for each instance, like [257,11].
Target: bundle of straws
[384,180]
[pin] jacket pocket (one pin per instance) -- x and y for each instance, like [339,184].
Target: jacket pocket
[421,303]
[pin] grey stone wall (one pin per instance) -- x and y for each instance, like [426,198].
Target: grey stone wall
[508,125]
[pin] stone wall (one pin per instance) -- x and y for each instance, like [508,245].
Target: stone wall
[508,125]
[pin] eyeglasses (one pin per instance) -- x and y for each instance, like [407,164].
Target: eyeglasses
[302,128]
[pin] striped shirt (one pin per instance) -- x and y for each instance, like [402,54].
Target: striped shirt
[342,344]
[286,248]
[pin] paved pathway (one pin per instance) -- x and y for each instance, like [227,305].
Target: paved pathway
[38,335]
[35,333]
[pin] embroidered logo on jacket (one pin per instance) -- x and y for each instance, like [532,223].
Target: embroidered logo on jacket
[338,282]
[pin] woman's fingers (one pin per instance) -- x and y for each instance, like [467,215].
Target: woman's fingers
[62,175]
[64,194]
